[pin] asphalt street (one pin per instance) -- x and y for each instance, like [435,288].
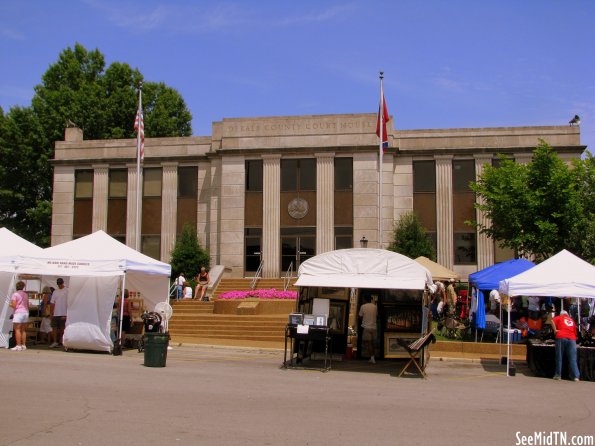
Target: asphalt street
[238,396]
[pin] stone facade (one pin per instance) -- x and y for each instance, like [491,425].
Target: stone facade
[221,160]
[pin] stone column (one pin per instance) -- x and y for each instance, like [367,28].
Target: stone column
[387,205]
[271,225]
[131,218]
[62,204]
[100,196]
[365,198]
[214,216]
[169,207]
[232,213]
[403,189]
[444,211]
[325,202]
[485,245]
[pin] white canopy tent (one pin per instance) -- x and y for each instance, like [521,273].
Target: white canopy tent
[92,267]
[11,247]
[364,268]
[562,275]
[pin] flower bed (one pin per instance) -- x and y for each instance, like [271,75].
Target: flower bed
[259,294]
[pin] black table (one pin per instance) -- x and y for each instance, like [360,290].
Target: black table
[293,339]
[541,359]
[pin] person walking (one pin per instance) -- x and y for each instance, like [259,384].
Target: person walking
[180,283]
[59,307]
[565,331]
[20,303]
[369,313]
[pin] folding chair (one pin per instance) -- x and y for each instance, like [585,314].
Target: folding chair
[492,328]
[415,350]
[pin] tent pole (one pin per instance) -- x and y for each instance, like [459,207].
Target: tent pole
[508,341]
[122,308]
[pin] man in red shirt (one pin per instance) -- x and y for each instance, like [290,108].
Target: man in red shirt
[565,330]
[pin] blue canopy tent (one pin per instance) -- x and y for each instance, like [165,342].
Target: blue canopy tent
[489,279]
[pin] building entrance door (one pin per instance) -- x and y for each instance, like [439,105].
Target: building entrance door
[253,255]
[296,249]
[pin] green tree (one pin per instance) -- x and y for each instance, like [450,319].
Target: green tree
[79,90]
[187,256]
[410,238]
[25,176]
[539,208]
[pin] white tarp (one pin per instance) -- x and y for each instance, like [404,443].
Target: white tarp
[92,267]
[562,275]
[364,268]
[11,247]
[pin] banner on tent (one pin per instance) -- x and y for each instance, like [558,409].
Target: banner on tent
[70,267]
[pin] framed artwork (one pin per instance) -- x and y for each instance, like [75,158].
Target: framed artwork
[336,317]
[392,349]
[309,319]
[334,293]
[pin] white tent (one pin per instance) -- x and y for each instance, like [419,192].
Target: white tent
[363,268]
[562,275]
[11,247]
[92,267]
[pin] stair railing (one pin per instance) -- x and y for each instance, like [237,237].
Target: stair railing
[257,275]
[173,291]
[288,277]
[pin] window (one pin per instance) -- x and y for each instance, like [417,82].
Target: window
[463,200]
[82,222]
[151,220]
[343,237]
[343,173]
[254,175]
[117,203]
[298,175]
[424,196]
[187,197]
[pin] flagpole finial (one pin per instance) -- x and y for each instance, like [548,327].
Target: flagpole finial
[382,75]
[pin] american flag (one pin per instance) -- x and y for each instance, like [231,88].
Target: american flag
[139,128]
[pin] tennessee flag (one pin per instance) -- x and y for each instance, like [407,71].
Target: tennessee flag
[381,123]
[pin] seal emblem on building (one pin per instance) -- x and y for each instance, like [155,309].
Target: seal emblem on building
[298,208]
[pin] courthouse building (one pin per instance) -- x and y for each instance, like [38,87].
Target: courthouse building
[283,189]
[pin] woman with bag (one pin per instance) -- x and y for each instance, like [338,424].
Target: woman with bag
[20,302]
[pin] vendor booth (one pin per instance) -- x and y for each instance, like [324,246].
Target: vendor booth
[12,246]
[333,286]
[96,268]
[562,275]
[484,281]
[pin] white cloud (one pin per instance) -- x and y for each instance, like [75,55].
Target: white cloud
[11,34]
[195,19]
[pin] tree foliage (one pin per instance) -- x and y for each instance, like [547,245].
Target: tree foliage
[187,256]
[410,238]
[541,207]
[77,89]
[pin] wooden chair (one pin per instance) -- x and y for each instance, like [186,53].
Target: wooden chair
[415,350]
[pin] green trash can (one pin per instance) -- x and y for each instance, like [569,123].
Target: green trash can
[155,349]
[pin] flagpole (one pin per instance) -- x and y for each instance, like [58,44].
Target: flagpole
[380,161]
[138,169]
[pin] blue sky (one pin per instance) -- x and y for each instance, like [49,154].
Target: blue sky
[447,64]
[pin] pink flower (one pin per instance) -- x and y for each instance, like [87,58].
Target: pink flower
[259,294]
